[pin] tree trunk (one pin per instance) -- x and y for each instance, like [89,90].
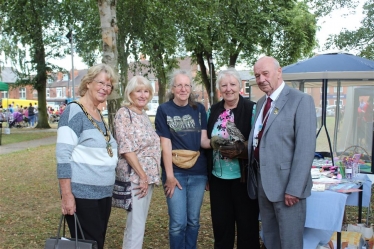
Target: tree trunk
[158,62]
[162,83]
[109,29]
[41,72]
[205,78]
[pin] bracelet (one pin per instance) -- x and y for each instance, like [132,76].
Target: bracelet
[140,181]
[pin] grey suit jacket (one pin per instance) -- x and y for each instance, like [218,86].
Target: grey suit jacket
[287,146]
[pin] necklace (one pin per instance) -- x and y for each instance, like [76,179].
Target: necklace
[107,131]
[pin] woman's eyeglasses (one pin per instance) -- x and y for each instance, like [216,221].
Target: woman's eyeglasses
[180,86]
[103,85]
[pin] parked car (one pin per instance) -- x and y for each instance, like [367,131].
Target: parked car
[330,110]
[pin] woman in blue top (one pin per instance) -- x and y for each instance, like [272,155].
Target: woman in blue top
[181,124]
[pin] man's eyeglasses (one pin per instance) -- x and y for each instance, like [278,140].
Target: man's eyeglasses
[103,85]
[180,86]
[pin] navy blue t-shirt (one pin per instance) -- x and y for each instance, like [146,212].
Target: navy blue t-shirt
[183,125]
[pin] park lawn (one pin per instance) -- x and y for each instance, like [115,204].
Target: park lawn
[30,206]
[24,136]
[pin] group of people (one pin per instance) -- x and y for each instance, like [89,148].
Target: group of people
[252,161]
[23,116]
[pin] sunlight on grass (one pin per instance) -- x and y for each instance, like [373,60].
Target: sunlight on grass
[24,136]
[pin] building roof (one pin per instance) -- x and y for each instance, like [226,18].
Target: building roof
[245,74]
[62,83]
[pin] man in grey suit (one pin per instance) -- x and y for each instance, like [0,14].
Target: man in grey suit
[284,141]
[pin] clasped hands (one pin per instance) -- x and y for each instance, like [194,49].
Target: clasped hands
[228,148]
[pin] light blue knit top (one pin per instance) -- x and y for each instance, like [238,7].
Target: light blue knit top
[82,155]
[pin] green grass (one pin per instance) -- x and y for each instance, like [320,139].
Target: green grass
[30,206]
[23,136]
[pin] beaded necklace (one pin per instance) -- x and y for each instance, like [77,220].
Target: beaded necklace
[107,131]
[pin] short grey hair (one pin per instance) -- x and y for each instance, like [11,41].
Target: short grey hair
[228,72]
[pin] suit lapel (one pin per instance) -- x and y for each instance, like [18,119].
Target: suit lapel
[279,104]
[259,105]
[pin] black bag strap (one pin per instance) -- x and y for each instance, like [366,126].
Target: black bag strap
[76,221]
[128,109]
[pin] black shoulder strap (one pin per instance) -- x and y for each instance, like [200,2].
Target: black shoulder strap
[129,114]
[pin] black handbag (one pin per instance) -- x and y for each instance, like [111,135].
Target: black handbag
[69,243]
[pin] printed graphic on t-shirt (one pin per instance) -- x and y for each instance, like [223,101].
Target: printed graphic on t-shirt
[184,123]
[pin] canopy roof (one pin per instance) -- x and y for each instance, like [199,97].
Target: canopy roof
[333,66]
[3,86]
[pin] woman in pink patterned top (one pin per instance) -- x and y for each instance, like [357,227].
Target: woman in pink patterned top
[139,157]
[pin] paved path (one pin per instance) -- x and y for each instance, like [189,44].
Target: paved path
[14,147]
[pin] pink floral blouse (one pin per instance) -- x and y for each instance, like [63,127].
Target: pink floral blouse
[136,134]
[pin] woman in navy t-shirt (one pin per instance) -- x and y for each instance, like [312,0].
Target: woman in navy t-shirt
[181,124]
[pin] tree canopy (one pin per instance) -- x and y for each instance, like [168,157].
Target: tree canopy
[215,34]
[31,29]
[360,40]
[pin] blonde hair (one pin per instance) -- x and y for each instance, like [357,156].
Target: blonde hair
[91,75]
[136,82]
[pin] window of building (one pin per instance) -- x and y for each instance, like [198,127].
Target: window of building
[4,95]
[49,80]
[47,92]
[65,77]
[58,92]
[64,92]
[35,94]
[247,87]
[22,93]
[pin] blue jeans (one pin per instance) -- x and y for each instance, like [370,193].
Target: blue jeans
[184,210]
[31,120]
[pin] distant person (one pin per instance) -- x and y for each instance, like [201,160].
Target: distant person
[86,154]
[2,116]
[36,111]
[139,158]
[26,115]
[62,109]
[283,146]
[10,108]
[31,114]
[17,118]
[365,122]
[362,103]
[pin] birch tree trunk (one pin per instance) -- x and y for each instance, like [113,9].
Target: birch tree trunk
[109,30]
